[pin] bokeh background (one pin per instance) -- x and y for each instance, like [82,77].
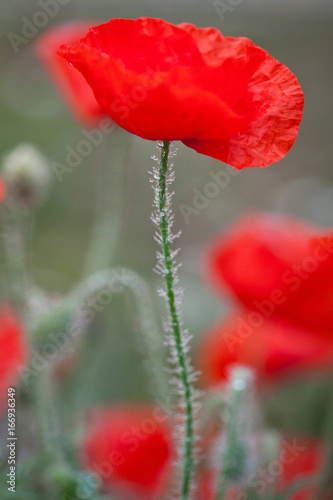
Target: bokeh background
[109,366]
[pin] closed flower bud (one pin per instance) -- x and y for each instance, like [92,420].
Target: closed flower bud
[27,175]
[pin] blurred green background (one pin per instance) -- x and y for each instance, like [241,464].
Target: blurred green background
[109,366]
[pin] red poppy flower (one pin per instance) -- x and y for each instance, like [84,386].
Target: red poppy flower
[13,351]
[272,347]
[300,457]
[222,96]
[2,189]
[71,84]
[280,266]
[130,448]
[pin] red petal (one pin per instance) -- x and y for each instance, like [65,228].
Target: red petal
[13,350]
[276,263]
[210,43]
[276,94]
[130,447]
[222,96]
[2,189]
[71,83]
[271,347]
[300,457]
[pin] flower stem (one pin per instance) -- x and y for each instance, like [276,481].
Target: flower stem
[46,417]
[149,331]
[69,316]
[106,229]
[239,425]
[115,280]
[326,479]
[15,242]
[169,271]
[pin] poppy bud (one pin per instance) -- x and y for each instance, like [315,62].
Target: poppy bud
[27,175]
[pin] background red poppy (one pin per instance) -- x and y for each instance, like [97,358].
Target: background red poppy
[71,84]
[130,447]
[272,347]
[13,351]
[2,189]
[279,266]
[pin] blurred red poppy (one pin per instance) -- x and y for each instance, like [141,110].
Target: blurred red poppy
[278,266]
[70,82]
[2,189]
[222,96]
[13,350]
[272,347]
[301,458]
[130,447]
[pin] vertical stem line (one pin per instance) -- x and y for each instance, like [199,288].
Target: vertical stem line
[15,242]
[326,478]
[149,331]
[231,433]
[47,418]
[237,428]
[106,229]
[175,322]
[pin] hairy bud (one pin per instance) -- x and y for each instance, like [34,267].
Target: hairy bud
[27,175]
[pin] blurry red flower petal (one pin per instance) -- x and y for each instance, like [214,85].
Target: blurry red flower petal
[70,82]
[2,189]
[272,349]
[300,457]
[130,447]
[222,96]
[13,350]
[279,265]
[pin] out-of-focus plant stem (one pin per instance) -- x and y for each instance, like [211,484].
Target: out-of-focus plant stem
[237,421]
[112,281]
[109,203]
[16,227]
[46,413]
[325,489]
